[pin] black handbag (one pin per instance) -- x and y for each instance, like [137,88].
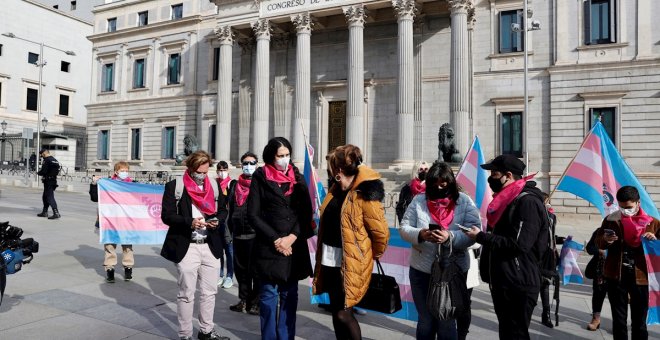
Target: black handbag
[590,271]
[448,295]
[383,293]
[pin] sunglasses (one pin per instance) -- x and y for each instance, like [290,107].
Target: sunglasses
[249,163]
[422,170]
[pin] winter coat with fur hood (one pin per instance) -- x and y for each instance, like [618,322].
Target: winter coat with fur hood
[365,234]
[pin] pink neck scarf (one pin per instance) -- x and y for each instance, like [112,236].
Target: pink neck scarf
[242,189]
[634,227]
[278,177]
[203,199]
[417,187]
[223,184]
[442,211]
[502,199]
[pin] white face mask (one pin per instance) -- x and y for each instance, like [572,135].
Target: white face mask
[122,174]
[223,174]
[248,170]
[629,212]
[282,163]
[198,178]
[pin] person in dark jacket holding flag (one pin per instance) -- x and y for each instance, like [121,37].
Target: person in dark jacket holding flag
[243,236]
[513,247]
[625,269]
[280,211]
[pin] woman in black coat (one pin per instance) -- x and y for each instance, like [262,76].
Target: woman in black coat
[280,211]
[194,242]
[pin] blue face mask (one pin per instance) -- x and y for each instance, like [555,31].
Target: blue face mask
[248,170]
[198,178]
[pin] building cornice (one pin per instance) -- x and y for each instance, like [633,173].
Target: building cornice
[604,95]
[138,31]
[604,66]
[58,12]
[155,100]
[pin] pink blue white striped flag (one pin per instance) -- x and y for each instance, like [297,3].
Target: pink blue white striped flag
[314,185]
[568,266]
[395,263]
[129,213]
[598,171]
[652,254]
[474,180]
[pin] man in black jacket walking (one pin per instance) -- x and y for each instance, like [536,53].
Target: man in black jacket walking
[49,171]
[518,236]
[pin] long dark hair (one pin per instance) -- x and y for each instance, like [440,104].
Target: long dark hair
[270,151]
[442,171]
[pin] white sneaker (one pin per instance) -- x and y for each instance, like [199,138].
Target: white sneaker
[227,283]
[221,281]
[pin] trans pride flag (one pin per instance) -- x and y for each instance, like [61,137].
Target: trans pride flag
[315,187]
[568,266]
[129,213]
[395,263]
[598,171]
[652,254]
[474,180]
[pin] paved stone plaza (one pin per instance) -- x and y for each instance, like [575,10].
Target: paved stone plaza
[62,293]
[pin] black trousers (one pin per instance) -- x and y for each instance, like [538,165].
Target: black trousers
[48,197]
[248,287]
[617,293]
[598,296]
[463,321]
[514,308]
[545,293]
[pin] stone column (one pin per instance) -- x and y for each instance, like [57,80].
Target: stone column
[223,106]
[261,85]
[355,16]
[459,78]
[563,31]
[301,117]
[405,12]
[245,96]
[644,31]
[418,30]
[156,68]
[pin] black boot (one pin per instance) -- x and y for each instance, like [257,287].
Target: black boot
[110,276]
[546,319]
[128,274]
[56,215]
[44,213]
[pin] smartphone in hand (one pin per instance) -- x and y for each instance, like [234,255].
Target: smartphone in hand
[609,232]
[433,226]
[212,220]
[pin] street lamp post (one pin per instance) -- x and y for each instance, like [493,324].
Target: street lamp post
[4,136]
[535,26]
[41,63]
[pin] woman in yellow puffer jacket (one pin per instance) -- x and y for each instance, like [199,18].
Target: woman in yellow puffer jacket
[353,232]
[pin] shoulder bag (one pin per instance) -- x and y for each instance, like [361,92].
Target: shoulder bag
[383,293]
[448,296]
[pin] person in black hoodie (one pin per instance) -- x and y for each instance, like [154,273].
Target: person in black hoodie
[49,171]
[243,238]
[513,246]
[280,211]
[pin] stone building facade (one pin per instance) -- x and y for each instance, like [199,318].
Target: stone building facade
[382,74]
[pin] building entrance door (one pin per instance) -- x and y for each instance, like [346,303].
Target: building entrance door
[336,124]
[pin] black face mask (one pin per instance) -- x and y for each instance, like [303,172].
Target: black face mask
[495,184]
[421,175]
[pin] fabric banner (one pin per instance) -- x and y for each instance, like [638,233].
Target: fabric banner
[598,171]
[129,213]
[652,254]
[474,180]
[395,263]
[315,187]
[568,266]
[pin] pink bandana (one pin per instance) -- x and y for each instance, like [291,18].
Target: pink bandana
[502,199]
[634,227]
[223,185]
[442,211]
[203,199]
[417,187]
[278,177]
[242,189]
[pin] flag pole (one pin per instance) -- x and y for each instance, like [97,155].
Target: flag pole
[569,164]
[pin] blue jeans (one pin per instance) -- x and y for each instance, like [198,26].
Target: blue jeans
[229,253]
[428,327]
[273,328]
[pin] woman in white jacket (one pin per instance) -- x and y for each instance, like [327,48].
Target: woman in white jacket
[441,205]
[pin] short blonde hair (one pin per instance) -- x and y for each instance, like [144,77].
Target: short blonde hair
[197,159]
[121,164]
[416,168]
